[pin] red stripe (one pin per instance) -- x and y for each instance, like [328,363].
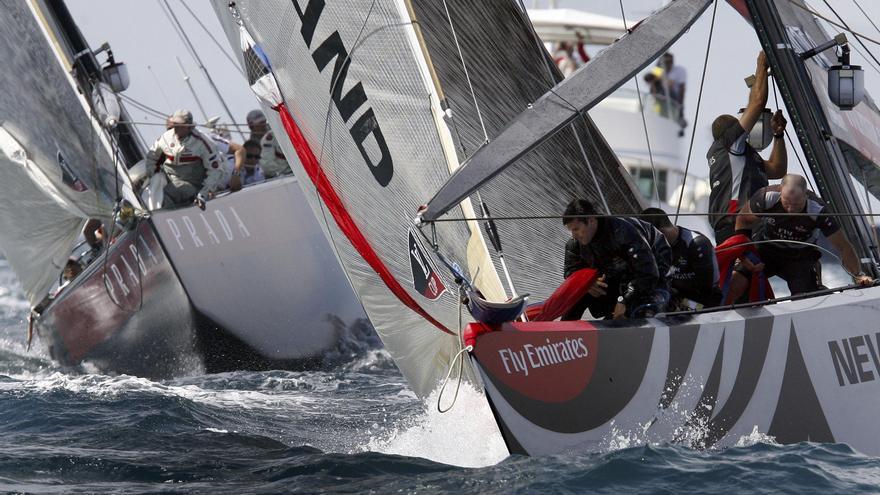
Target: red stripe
[343,219]
[183,158]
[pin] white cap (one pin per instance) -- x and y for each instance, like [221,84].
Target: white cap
[256,117]
[182,117]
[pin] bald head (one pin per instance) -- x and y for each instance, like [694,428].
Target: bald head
[793,193]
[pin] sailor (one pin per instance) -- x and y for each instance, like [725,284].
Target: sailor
[272,161]
[693,277]
[795,262]
[631,255]
[189,159]
[736,170]
[231,159]
[93,233]
[252,172]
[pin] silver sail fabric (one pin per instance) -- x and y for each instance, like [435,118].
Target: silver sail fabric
[36,231]
[856,129]
[61,173]
[351,78]
[607,71]
[509,69]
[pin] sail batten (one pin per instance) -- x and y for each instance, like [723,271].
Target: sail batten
[568,100]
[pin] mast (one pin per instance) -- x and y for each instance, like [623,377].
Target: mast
[822,150]
[87,72]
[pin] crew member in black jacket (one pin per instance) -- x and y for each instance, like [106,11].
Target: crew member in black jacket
[632,257]
[694,274]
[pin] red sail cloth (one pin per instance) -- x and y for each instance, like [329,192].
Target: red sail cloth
[567,295]
[343,219]
[727,253]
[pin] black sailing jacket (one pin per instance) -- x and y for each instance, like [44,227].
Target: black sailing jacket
[629,252]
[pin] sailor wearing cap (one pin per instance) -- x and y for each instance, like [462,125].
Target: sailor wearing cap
[189,159]
[272,161]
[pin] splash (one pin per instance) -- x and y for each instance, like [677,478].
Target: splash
[466,436]
[754,438]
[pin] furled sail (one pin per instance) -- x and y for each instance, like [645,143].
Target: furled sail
[607,71]
[56,170]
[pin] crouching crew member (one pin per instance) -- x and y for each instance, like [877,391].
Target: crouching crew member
[693,276]
[189,159]
[631,256]
[796,263]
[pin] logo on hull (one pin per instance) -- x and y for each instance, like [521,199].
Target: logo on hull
[426,280]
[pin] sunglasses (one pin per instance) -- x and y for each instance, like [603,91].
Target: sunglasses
[251,155]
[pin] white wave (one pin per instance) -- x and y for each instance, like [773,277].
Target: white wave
[755,437]
[465,436]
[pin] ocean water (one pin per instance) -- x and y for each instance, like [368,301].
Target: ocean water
[354,427]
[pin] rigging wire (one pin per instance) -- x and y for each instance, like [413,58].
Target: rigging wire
[210,35]
[144,107]
[850,30]
[466,75]
[866,15]
[829,214]
[551,82]
[697,112]
[790,141]
[159,85]
[826,19]
[186,41]
[645,121]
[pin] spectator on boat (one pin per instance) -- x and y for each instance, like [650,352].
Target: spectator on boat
[693,276]
[674,79]
[189,160]
[631,255]
[736,170]
[273,162]
[565,58]
[796,262]
[252,172]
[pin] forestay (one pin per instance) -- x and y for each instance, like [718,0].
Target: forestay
[607,71]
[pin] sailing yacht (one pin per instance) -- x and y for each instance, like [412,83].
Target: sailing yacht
[409,115]
[248,283]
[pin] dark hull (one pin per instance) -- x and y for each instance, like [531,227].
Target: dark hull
[126,313]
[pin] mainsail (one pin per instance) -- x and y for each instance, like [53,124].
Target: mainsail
[55,171]
[361,109]
[607,71]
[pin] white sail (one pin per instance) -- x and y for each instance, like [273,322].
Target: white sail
[56,168]
[36,231]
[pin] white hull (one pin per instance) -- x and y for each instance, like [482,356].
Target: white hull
[257,263]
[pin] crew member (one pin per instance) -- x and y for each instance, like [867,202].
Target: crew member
[189,159]
[251,172]
[694,272]
[272,161]
[795,262]
[736,170]
[632,257]
[231,160]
